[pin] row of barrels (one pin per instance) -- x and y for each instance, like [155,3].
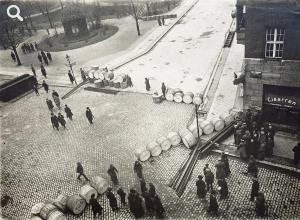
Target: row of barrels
[177,95]
[108,79]
[76,204]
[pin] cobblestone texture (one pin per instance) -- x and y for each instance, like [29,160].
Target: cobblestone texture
[38,162]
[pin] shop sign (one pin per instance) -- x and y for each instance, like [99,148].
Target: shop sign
[282,100]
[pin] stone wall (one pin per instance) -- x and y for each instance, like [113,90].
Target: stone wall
[281,73]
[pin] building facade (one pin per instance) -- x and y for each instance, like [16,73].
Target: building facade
[271,34]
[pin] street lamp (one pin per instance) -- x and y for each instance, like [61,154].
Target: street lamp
[197,104]
[70,65]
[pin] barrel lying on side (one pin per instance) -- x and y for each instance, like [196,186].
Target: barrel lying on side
[164,143]
[207,127]
[47,208]
[227,118]
[76,204]
[174,138]
[178,97]
[86,192]
[61,202]
[36,209]
[154,149]
[142,154]
[218,123]
[170,95]
[56,215]
[187,137]
[188,97]
[193,129]
[99,184]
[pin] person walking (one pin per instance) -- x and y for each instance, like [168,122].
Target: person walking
[152,190]
[129,81]
[254,189]
[223,189]
[122,195]
[220,170]
[61,120]
[163,89]
[45,86]
[40,58]
[96,207]
[224,159]
[31,47]
[159,22]
[43,71]
[56,99]
[147,83]
[13,56]
[36,46]
[163,21]
[149,203]
[296,151]
[252,167]
[79,170]
[68,112]
[89,115]
[36,89]
[140,212]
[49,104]
[83,76]
[201,187]
[33,70]
[71,77]
[158,207]
[112,172]
[209,179]
[45,59]
[112,199]
[260,204]
[54,121]
[213,203]
[143,187]
[132,201]
[49,56]
[138,169]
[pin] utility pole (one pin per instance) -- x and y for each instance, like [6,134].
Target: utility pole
[47,12]
[136,18]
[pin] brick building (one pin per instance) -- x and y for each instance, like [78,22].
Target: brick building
[270,31]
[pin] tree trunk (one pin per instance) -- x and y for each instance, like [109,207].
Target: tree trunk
[136,19]
[17,56]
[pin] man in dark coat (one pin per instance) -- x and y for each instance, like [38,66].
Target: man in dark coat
[13,56]
[143,187]
[45,59]
[213,203]
[96,207]
[122,195]
[71,77]
[138,169]
[201,187]
[223,189]
[254,189]
[68,112]
[209,179]
[36,46]
[152,190]
[158,207]
[49,104]
[112,200]
[147,83]
[40,58]
[296,150]
[54,121]
[220,170]
[46,86]
[36,89]
[61,120]
[129,81]
[112,171]
[224,159]
[131,201]
[159,22]
[149,203]
[83,76]
[79,170]
[139,210]
[252,167]
[260,204]
[43,71]
[163,89]
[49,56]
[89,115]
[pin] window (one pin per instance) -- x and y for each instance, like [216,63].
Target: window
[274,43]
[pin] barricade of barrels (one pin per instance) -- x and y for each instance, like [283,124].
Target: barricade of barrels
[107,78]
[188,136]
[177,95]
[75,204]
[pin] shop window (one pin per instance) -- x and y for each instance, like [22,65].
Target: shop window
[274,42]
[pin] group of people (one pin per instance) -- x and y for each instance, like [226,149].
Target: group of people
[223,172]
[44,57]
[29,47]
[161,21]
[136,201]
[252,137]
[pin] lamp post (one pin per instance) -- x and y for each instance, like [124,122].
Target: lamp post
[70,65]
[197,104]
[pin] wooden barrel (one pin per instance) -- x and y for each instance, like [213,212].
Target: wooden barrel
[109,75]
[164,143]
[177,90]
[76,204]
[95,67]
[187,137]
[86,192]
[36,218]
[117,85]
[188,97]
[227,118]
[154,149]
[36,209]
[157,98]
[61,202]
[193,129]
[99,183]
[197,99]
[101,76]
[47,208]
[207,127]
[218,123]
[105,82]
[123,85]
[120,78]
[178,97]
[56,215]
[174,138]
[142,154]
[169,97]
[98,83]
[111,83]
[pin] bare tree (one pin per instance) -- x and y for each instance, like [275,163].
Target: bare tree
[134,10]
[48,15]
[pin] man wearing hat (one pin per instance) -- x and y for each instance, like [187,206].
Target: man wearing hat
[213,203]
[201,187]
[254,188]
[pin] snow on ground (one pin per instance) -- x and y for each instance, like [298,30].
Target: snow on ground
[183,58]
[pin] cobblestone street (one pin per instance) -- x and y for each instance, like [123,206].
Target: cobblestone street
[38,162]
